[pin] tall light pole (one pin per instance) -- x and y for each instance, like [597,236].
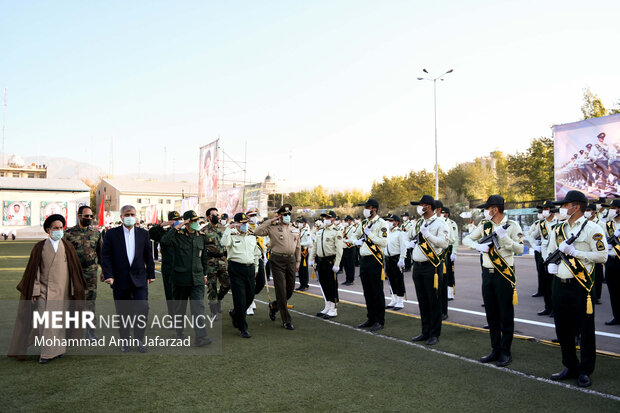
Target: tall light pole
[434,80]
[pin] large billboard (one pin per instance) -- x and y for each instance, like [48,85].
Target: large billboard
[208,173]
[586,157]
[50,208]
[15,213]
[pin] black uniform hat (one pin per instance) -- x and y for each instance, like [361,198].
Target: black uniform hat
[241,217]
[301,219]
[601,201]
[392,217]
[572,196]
[438,204]
[370,203]
[601,135]
[548,204]
[191,215]
[224,216]
[348,218]
[589,146]
[591,207]
[173,216]
[615,203]
[426,200]
[54,217]
[494,200]
[285,209]
[445,210]
[406,214]
[328,214]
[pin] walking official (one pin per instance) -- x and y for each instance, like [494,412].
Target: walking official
[429,238]
[499,290]
[581,244]
[217,269]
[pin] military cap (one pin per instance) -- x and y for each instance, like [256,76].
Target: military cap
[589,146]
[224,216]
[241,217]
[392,217]
[601,200]
[370,203]
[494,200]
[406,214]
[438,204]
[301,219]
[329,214]
[615,203]
[548,204]
[285,209]
[252,212]
[191,215]
[54,217]
[601,135]
[173,216]
[426,200]
[572,196]
[348,218]
[445,210]
[591,207]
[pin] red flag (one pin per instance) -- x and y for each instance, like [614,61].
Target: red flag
[101,212]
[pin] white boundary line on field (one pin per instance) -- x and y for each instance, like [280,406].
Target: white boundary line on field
[462,358]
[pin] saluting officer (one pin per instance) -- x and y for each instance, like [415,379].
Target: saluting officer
[327,250]
[429,238]
[499,290]
[371,237]
[285,258]
[395,252]
[612,266]
[243,254]
[572,285]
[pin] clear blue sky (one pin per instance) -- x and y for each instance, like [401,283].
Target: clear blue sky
[324,92]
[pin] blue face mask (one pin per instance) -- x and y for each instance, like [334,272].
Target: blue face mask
[243,227]
[129,221]
[195,226]
[286,219]
[56,235]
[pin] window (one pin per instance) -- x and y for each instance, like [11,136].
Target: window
[161,200]
[139,200]
[168,201]
[30,174]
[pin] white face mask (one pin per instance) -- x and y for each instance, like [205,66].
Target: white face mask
[222,221]
[612,213]
[336,222]
[367,212]
[598,207]
[254,220]
[546,213]
[420,210]
[563,213]
[405,219]
[327,222]
[487,215]
[540,215]
[345,224]
[587,214]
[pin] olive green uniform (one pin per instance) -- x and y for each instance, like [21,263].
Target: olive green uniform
[167,262]
[87,242]
[217,267]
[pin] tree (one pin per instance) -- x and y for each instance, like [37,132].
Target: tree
[592,105]
[533,170]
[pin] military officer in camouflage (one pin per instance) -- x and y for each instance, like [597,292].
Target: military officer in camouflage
[218,265]
[87,242]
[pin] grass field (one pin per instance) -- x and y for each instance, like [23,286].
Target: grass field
[321,366]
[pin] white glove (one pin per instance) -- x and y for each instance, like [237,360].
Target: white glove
[359,242]
[412,244]
[501,232]
[536,248]
[453,257]
[310,263]
[335,268]
[425,231]
[552,269]
[568,249]
[610,247]
[367,230]
[482,248]
[617,233]
[401,263]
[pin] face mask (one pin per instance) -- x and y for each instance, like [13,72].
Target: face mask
[563,213]
[327,222]
[129,221]
[345,224]
[367,213]
[487,215]
[612,214]
[195,226]
[286,219]
[539,216]
[243,227]
[546,213]
[420,210]
[254,220]
[587,214]
[223,222]
[598,207]
[394,224]
[213,219]
[56,235]
[405,219]
[336,222]
[86,222]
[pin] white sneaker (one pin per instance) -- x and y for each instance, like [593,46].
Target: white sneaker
[450,293]
[400,303]
[253,305]
[325,310]
[249,311]
[392,302]
[332,312]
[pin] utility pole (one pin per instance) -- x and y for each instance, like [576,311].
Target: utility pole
[4,128]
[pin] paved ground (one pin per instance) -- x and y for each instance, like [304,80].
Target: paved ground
[467,307]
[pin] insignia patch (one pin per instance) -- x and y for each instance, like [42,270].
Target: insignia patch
[384,229]
[339,237]
[597,237]
[599,245]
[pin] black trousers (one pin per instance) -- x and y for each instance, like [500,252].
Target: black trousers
[348,263]
[612,276]
[599,274]
[370,275]
[539,261]
[327,278]
[450,272]
[395,275]
[260,277]
[132,302]
[546,287]
[443,284]
[428,297]
[196,296]
[497,294]
[303,269]
[571,320]
[408,260]
[242,285]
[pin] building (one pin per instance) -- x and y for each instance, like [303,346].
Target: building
[26,202]
[17,168]
[144,195]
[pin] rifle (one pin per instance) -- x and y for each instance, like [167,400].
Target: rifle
[557,256]
[613,241]
[492,238]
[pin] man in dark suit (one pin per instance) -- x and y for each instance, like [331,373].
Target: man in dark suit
[127,263]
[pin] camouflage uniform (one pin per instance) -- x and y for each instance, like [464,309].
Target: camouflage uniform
[87,243]
[217,266]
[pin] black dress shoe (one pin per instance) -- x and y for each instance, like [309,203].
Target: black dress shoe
[584,380]
[486,326]
[141,347]
[345,283]
[493,356]
[365,324]
[503,360]
[124,349]
[421,337]
[288,326]
[376,327]
[231,313]
[319,314]
[44,361]
[563,375]
[272,312]
[612,322]
[537,295]
[245,334]
[300,288]
[432,341]
[202,341]
[444,316]
[551,314]
[544,312]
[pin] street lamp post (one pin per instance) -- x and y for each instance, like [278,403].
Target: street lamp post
[434,80]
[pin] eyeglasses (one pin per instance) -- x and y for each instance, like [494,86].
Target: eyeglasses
[87,216]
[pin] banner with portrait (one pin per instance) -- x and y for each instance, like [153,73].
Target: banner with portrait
[586,157]
[151,215]
[208,173]
[52,207]
[15,213]
[230,201]
[189,204]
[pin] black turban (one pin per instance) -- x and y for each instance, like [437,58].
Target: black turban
[52,218]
